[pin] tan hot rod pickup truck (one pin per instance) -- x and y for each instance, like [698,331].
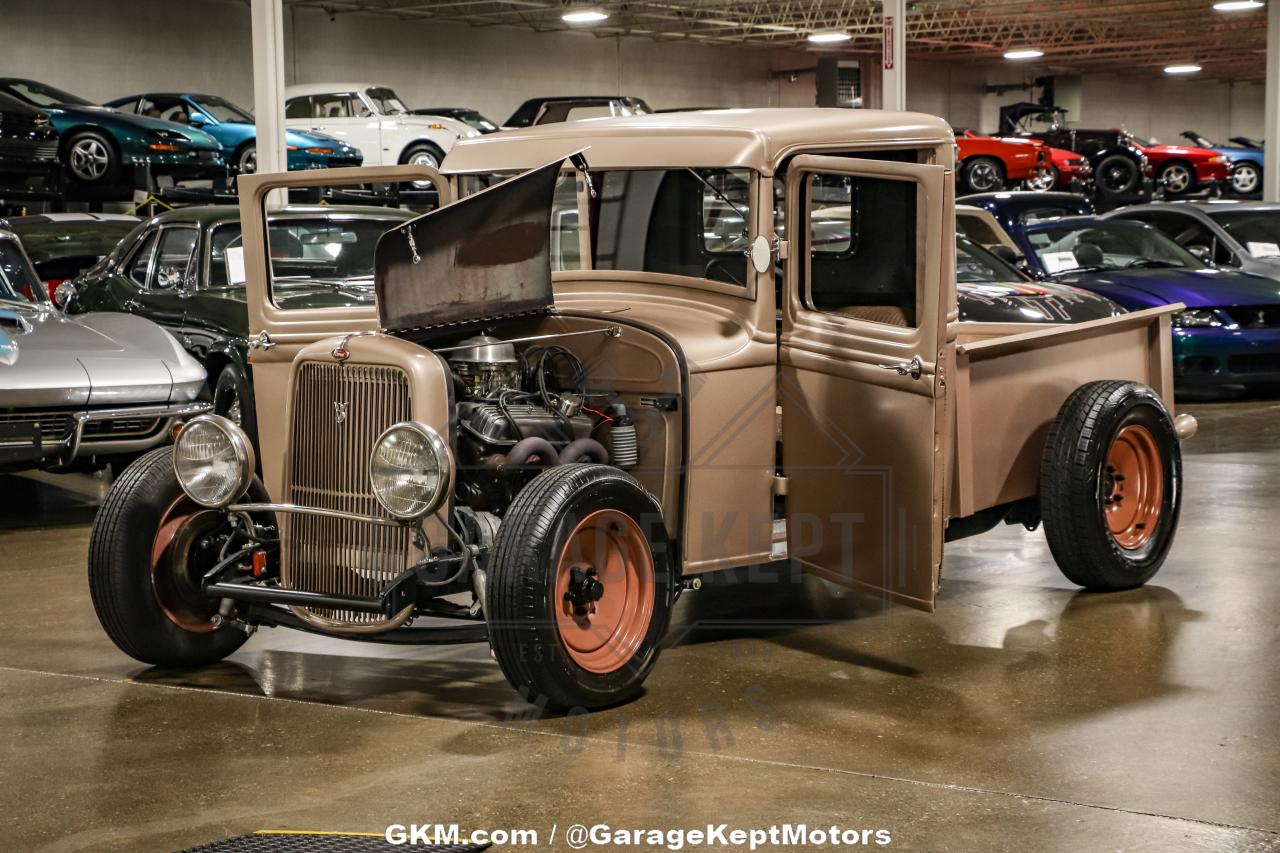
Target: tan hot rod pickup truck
[621,354]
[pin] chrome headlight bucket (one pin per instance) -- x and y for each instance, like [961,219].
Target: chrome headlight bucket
[213,460]
[409,470]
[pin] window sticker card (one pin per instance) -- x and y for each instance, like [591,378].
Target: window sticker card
[1058,261]
[235,265]
[1263,250]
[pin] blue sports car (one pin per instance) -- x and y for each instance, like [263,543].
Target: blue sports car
[234,129]
[1229,333]
[99,145]
[1246,156]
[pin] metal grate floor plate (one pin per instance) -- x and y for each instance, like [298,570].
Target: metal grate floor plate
[280,842]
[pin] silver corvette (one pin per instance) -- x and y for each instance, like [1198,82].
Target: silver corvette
[79,391]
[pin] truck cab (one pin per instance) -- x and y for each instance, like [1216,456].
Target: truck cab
[624,355]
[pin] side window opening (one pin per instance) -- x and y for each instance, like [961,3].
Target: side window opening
[173,260]
[861,239]
[140,263]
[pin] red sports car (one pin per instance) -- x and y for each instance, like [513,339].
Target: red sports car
[987,163]
[1068,171]
[1183,169]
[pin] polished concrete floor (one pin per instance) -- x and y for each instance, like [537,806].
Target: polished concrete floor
[1022,716]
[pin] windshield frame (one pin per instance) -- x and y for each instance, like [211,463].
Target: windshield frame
[39,292]
[376,102]
[980,253]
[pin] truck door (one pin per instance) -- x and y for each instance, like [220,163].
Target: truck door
[869,292]
[277,334]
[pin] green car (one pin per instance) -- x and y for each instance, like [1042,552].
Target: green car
[100,146]
[184,269]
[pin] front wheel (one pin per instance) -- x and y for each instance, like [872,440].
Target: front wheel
[580,588]
[92,158]
[1044,181]
[1246,179]
[1111,485]
[1178,178]
[247,159]
[233,399]
[149,547]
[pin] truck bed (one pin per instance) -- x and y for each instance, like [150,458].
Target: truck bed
[1009,383]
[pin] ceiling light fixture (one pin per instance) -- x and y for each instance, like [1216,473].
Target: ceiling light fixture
[584,15]
[1238,5]
[1024,53]
[1187,68]
[829,37]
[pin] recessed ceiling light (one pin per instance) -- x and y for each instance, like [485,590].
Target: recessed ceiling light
[1238,5]
[1188,68]
[829,37]
[584,15]
[1024,53]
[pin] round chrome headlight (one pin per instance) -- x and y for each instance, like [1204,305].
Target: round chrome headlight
[214,460]
[409,470]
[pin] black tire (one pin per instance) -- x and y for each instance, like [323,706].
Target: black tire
[521,584]
[420,149]
[246,161]
[982,175]
[1246,179]
[1078,486]
[121,581]
[91,159]
[1117,176]
[1178,178]
[233,399]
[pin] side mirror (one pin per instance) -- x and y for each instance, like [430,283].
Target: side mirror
[197,119]
[64,294]
[1201,252]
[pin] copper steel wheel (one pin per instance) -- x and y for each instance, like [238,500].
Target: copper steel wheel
[147,551]
[1111,485]
[1133,481]
[580,588]
[604,591]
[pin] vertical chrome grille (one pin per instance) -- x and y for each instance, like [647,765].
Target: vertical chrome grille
[338,413]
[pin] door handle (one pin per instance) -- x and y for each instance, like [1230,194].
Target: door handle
[913,368]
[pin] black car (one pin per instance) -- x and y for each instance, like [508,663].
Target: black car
[29,166]
[573,107]
[466,115]
[63,245]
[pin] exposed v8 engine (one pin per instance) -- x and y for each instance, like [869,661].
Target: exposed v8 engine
[518,413]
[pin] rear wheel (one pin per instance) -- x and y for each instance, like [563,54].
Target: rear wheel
[580,588]
[1246,178]
[149,547]
[983,174]
[1111,485]
[1117,175]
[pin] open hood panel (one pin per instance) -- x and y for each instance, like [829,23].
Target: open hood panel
[487,255]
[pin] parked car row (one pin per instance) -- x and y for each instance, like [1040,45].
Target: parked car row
[1221,259]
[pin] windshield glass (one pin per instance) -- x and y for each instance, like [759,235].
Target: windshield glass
[306,251]
[386,101]
[975,264]
[225,110]
[18,282]
[1107,245]
[476,120]
[45,241]
[1257,230]
[41,95]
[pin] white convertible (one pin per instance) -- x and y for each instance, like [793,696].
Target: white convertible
[375,120]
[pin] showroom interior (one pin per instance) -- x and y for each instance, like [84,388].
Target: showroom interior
[877,352]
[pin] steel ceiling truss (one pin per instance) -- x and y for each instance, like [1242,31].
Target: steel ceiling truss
[1131,36]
